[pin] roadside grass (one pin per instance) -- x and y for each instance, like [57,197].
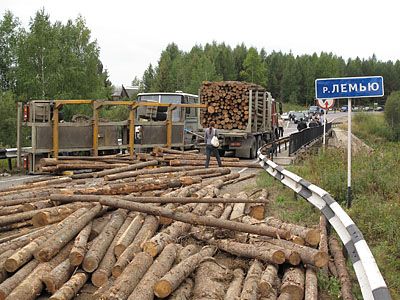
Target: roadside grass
[376,195]
[293,107]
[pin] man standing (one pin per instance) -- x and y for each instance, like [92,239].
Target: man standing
[302,125]
[281,124]
[208,136]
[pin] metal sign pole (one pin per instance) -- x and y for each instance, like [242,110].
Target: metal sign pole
[349,196]
[324,140]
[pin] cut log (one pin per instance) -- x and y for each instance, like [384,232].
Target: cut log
[37,205]
[292,284]
[235,287]
[129,175]
[183,292]
[310,235]
[323,244]
[130,277]
[133,167]
[7,286]
[250,286]
[79,249]
[311,285]
[3,257]
[238,208]
[308,255]
[58,276]
[103,272]
[340,264]
[187,251]
[257,210]
[69,290]
[210,281]
[263,253]
[98,225]
[268,281]
[147,231]
[127,237]
[32,285]
[145,289]
[183,217]
[58,240]
[170,281]
[100,245]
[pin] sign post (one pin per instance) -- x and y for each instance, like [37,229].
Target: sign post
[349,87]
[325,104]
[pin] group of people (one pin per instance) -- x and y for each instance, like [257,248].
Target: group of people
[315,121]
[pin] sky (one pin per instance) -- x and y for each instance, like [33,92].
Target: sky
[132,34]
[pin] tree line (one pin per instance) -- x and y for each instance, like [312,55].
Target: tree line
[290,78]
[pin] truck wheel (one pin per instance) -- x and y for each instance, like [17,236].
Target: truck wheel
[253,150]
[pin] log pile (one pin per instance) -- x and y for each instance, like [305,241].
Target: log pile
[227,104]
[154,231]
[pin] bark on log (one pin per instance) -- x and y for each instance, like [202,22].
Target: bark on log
[58,240]
[311,285]
[133,167]
[58,276]
[128,236]
[100,245]
[79,249]
[257,210]
[323,244]
[7,286]
[145,288]
[32,285]
[235,287]
[238,208]
[187,251]
[268,281]
[308,255]
[157,243]
[103,272]
[8,210]
[170,281]
[183,292]
[183,217]
[98,225]
[293,284]
[37,205]
[29,186]
[69,290]
[310,235]
[148,229]
[250,286]
[340,263]
[263,253]
[128,176]
[3,257]
[210,281]
[130,277]
[241,164]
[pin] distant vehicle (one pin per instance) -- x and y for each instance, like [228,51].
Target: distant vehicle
[367,108]
[379,108]
[285,116]
[297,116]
[314,110]
[344,108]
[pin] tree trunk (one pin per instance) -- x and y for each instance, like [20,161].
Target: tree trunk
[250,286]
[340,263]
[235,287]
[100,245]
[58,240]
[79,249]
[292,284]
[145,289]
[170,281]
[69,290]
[148,229]
[128,236]
[58,276]
[268,281]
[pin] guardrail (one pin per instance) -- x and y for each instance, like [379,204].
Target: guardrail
[306,136]
[369,277]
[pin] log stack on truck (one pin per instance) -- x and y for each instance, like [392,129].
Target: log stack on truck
[245,115]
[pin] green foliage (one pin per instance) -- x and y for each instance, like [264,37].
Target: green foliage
[392,113]
[373,129]
[254,69]
[8,122]
[331,285]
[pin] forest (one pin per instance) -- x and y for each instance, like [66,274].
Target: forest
[52,60]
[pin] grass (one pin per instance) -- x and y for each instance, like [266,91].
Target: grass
[376,198]
[293,107]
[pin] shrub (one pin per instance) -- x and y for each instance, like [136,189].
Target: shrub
[392,113]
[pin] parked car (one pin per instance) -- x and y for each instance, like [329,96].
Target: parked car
[344,108]
[379,108]
[297,116]
[314,110]
[285,116]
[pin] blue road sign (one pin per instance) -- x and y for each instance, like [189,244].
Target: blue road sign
[349,87]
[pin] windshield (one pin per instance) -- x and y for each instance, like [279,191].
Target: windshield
[169,99]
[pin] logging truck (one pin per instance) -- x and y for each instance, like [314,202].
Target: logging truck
[245,115]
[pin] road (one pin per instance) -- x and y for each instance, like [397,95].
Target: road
[331,116]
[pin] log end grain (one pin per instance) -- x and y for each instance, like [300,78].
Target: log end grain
[297,240]
[321,259]
[99,278]
[117,271]
[257,212]
[151,248]
[278,257]
[313,237]
[90,264]
[294,258]
[162,289]
[118,250]
[50,284]
[76,258]
[11,265]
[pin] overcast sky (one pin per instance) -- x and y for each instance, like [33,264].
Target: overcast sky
[132,34]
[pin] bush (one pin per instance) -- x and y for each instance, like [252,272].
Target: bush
[392,113]
[8,120]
